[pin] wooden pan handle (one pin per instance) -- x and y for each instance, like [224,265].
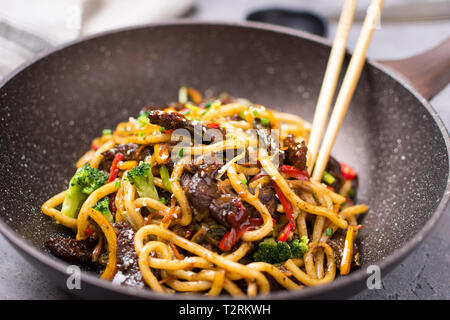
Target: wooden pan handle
[428,72]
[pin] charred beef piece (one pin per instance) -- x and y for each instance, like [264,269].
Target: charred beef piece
[337,243]
[200,187]
[128,272]
[296,152]
[130,151]
[175,120]
[72,250]
[170,121]
[228,210]
[334,168]
[268,198]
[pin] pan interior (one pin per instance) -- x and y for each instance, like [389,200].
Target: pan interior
[51,110]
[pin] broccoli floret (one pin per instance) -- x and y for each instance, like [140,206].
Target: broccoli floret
[274,252]
[271,251]
[299,247]
[284,251]
[142,178]
[85,181]
[102,206]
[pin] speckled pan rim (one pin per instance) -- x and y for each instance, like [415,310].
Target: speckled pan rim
[356,277]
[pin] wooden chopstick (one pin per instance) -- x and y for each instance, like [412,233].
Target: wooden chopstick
[330,78]
[348,86]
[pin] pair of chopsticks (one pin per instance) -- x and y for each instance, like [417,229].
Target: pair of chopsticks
[320,159]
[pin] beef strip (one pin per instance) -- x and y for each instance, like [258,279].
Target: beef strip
[175,120]
[72,250]
[200,186]
[170,121]
[334,168]
[128,272]
[268,198]
[228,210]
[337,243]
[129,152]
[296,152]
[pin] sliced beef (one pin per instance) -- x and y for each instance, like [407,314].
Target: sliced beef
[199,184]
[128,272]
[334,168]
[296,152]
[170,121]
[228,210]
[175,120]
[72,250]
[268,198]
[130,151]
[337,243]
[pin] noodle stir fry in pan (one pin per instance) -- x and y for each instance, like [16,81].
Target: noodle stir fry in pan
[208,195]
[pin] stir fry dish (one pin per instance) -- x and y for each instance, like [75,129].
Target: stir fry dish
[210,196]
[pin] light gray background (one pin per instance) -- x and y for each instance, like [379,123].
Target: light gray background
[423,275]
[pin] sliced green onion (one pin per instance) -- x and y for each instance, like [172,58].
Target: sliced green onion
[255,113]
[329,232]
[351,193]
[208,105]
[106,132]
[117,185]
[242,114]
[163,200]
[162,129]
[143,120]
[265,121]
[165,176]
[180,152]
[328,178]
[244,182]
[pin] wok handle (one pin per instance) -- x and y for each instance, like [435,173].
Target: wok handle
[428,72]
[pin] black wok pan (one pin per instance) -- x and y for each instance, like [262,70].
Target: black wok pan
[52,108]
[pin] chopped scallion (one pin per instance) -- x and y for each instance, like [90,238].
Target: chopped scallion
[328,178]
[265,121]
[143,120]
[329,232]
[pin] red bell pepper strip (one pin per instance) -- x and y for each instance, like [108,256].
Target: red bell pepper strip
[213,125]
[114,169]
[287,205]
[94,147]
[284,233]
[230,238]
[347,172]
[259,175]
[294,172]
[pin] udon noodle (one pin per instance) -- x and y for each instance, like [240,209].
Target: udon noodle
[224,204]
